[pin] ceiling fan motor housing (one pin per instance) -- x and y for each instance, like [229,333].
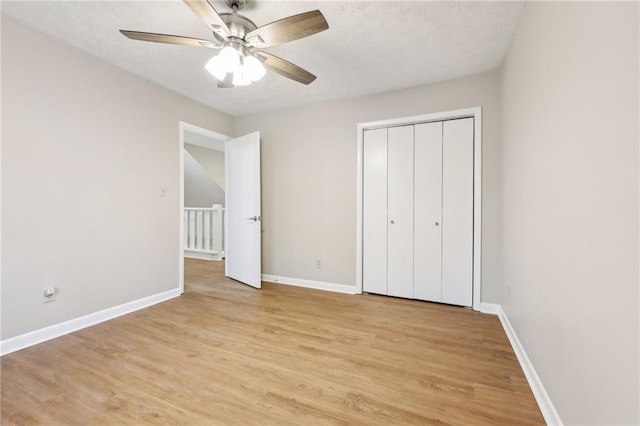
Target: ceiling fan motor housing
[238,24]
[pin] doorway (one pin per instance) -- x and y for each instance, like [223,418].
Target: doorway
[202,182]
[241,215]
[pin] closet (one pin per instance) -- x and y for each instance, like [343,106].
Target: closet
[417,239]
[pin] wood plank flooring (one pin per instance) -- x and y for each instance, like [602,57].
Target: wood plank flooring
[227,354]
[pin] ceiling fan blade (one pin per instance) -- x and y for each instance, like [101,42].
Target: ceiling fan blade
[285,68]
[170,39]
[208,15]
[288,29]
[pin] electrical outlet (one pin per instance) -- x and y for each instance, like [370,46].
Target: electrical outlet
[49,294]
[318,264]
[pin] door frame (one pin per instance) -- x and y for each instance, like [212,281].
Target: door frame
[476,113]
[184,127]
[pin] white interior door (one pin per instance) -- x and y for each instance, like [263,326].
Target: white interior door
[374,236]
[427,247]
[242,210]
[457,212]
[400,212]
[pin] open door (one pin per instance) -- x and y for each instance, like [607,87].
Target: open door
[242,210]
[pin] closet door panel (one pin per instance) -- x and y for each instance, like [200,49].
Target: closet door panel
[427,247]
[457,212]
[400,212]
[374,233]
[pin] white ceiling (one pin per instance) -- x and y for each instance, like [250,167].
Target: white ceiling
[370,47]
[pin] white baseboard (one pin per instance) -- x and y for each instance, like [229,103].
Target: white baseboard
[549,412]
[490,308]
[51,332]
[318,285]
[202,255]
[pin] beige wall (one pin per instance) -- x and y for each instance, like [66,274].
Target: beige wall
[309,176]
[570,211]
[85,150]
[211,160]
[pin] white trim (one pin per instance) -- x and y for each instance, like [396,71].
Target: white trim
[423,118]
[318,285]
[476,113]
[183,127]
[477,208]
[51,332]
[490,308]
[188,127]
[548,410]
[202,254]
[359,207]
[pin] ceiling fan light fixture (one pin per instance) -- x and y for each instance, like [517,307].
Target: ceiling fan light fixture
[247,68]
[229,58]
[253,68]
[215,67]
[240,78]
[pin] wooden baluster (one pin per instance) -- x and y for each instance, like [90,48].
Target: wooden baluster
[222,242]
[207,230]
[185,227]
[217,228]
[199,229]
[192,229]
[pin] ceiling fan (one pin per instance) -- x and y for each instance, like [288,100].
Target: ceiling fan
[240,62]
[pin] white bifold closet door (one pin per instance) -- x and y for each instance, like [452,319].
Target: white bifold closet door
[427,254]
[443,246]
[400,211]
[418,211]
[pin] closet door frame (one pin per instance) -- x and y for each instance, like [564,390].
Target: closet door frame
[476,113]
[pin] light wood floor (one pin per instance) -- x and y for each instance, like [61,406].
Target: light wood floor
[224,353]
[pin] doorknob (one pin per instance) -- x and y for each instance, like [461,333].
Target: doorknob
[392,222]
[437,224]
[254,218]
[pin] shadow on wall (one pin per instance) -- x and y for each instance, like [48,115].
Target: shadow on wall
[203,177]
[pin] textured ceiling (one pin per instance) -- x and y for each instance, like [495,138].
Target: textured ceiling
[370,47]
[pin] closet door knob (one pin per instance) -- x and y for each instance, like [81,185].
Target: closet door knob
[437,224]
[392,222]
